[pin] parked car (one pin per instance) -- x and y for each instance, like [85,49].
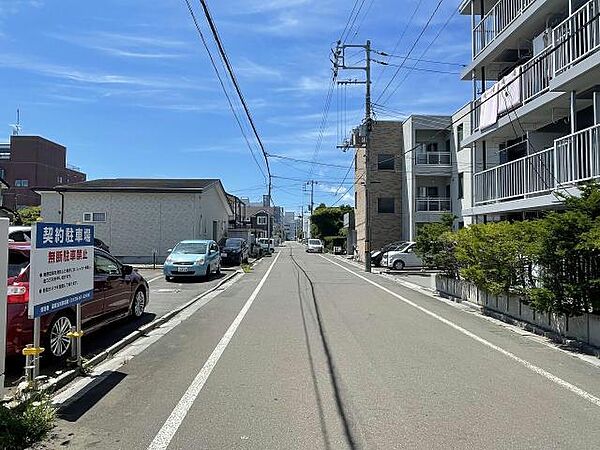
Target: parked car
[193,258]
[314,246]
[19,234]
[266,245]
[235,251]
[119,291]
[402,258]
[101,245]
[376,255]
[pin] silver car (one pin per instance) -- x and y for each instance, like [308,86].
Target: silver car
[402,258]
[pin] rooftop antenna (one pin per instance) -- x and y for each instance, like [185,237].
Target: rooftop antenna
[16,128]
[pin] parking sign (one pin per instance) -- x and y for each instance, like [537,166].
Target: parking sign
[61,272]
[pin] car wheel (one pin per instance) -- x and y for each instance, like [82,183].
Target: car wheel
[58,343]
[207,275]
[138,304]
[399,265]
[169,278]
[218,271]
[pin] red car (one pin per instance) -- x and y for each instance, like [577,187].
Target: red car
[119,291]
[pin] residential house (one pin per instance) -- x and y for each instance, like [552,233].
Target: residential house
[536,108]
[140,218]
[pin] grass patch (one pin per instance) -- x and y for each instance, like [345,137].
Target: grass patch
[25,420]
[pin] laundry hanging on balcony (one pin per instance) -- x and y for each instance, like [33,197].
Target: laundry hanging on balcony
[509,88]
[489,107]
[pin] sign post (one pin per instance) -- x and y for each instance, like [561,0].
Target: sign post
[3,269]
[61,275]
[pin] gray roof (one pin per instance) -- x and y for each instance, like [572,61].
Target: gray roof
[140,185]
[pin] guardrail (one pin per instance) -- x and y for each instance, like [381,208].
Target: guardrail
[433,158]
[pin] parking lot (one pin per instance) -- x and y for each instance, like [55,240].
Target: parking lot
[164,297]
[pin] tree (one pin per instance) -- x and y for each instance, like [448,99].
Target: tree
[435,245]
[29,215]
[328,221]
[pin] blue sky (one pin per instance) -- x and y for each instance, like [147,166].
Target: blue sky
[127,87]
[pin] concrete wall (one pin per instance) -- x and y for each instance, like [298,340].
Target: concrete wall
[137,224]
[461,163]
[585,328]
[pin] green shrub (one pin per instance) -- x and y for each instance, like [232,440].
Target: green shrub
[25,421]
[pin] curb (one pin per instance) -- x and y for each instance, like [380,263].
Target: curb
[65,378]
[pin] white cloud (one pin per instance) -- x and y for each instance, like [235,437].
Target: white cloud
[250,69]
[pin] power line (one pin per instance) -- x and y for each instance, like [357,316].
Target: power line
[432,61]
[439,32]
[225,59]
[422,69]
[411,50]
[417,6]
[305,161]
[221,82]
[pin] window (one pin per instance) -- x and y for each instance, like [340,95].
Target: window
[385,205]
[448,146]
[59,180]
[460,132]
[461,177]
[21,183]
[427,191]
[432,147]
[105,266]
[2,173]
[385,161]
[261,220]
[94,217]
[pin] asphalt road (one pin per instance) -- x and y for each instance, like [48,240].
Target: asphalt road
[164,297]
[307,352]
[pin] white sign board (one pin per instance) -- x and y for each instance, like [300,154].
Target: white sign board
[61,271]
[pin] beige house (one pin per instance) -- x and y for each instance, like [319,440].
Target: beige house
[138,218]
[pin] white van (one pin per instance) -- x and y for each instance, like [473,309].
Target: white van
[402,258]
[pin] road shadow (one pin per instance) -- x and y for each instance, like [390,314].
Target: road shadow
[90,396]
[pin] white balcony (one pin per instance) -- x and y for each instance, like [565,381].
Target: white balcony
[572,159]
[500,16]
[576,37]
[573,40]
[432,158]
[433,204]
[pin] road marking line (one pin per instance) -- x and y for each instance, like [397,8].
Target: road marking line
[154,279]
[171,425]
[565,384]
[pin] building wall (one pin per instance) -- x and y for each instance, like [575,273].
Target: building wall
[41,162]
[461,164]
[386,139]
[138,224]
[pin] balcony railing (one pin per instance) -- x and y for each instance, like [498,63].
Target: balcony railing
[502,14]
[573,40]
[572,159]
[433,158]
[433,204]
[576,37]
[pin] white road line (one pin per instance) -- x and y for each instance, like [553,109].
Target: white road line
[170,427]
[154,279]
[565,384]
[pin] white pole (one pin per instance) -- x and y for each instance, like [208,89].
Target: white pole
[78,340]
[3,269]
[36,344]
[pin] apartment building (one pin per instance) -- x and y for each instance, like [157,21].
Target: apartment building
[462,169]
[28,162]
[535,118]
[428,163]
[386,172]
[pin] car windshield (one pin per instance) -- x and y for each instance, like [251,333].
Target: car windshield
[314,242]
[191,248]
[17,263]
[233,243]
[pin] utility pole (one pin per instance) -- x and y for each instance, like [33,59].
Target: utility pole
[311,206]
[339,62]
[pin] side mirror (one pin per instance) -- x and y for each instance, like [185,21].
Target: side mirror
[127,270]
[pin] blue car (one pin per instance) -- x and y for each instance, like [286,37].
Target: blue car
[193,258]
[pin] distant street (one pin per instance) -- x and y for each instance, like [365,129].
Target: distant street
[309,352]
